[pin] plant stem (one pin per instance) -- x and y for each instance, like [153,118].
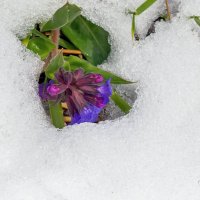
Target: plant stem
[168,10]
[55,34]
[46,62]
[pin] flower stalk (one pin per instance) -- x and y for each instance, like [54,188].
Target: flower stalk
[55,35]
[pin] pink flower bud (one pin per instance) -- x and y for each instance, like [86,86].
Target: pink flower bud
[53,90]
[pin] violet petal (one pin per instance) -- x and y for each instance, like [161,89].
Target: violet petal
[90,113]
[106,89]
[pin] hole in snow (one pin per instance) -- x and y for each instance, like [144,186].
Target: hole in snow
[126,92]
[111,111]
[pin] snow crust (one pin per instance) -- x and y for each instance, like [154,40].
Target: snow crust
[151,154]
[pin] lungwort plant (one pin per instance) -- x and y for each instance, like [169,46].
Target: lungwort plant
[72,87]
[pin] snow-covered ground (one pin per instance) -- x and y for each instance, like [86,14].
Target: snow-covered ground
[151,154]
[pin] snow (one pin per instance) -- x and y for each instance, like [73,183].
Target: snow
[150,154]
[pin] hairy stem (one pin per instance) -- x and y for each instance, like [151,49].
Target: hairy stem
[55,34]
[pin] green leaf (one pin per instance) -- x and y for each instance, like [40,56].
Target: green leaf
[25,41]
[62,16]
[40,46]
[133,27]
[56,114]
[67,66]
[120,102]
[91,39]
[54,65]
[39,34]
[144,6]
[67,45]
[197,20]
[76,63]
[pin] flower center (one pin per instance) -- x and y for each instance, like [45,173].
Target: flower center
[68,91]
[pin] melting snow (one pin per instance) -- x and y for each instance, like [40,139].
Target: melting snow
[151,154]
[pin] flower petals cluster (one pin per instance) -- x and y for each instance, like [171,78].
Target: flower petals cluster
[85,94]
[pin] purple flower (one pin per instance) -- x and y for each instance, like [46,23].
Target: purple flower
[43,88]
[85,94]
[89,113]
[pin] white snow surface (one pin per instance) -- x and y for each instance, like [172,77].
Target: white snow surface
[151,154]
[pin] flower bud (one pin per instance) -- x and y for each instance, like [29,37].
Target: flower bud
[53,90]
